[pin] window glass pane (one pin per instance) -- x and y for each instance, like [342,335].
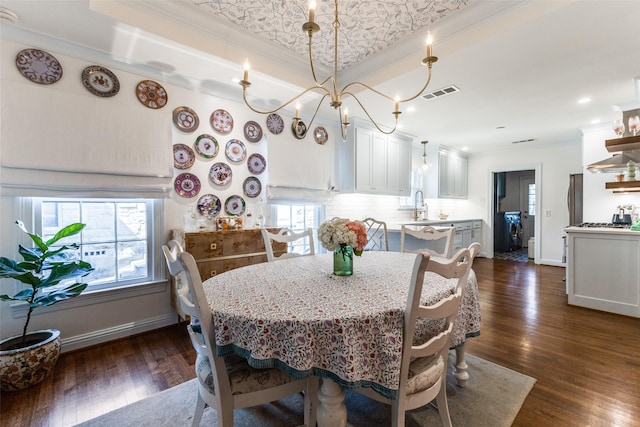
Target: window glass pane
[132,260]
[102,257]
[532,199]
[56,215]
[132,221]
[100,220]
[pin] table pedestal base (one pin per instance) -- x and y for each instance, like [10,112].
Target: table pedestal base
[331,411]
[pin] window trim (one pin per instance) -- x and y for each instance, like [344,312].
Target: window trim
[97,296]
[26,208]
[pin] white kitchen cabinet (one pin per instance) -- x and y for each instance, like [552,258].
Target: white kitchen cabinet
[372,162]
[476,232]
[398,165]
[447,178]
[603,269]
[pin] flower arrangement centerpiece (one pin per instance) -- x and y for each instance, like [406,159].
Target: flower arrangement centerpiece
[345,238]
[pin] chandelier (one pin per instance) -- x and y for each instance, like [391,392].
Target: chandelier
[329,86]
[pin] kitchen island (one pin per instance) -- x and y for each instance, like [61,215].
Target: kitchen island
[603,269]
[467,231]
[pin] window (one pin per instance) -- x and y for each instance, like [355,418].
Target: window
[532,199]
[297,217]
[118,240]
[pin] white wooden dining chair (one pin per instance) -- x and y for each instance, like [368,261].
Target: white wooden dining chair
[436,236]
[377,239]
[474,248]
[423,369]
[229,382]
[290,237]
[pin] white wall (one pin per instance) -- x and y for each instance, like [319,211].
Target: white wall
[111,317]
[553,164]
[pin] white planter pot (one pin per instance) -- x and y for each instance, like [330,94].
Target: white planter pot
[26,366]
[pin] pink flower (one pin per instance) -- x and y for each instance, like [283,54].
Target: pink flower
[360,232]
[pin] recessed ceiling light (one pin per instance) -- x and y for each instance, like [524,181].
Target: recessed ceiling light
[235,80]
[584,100]
[411,109]
[465,148]
[595,121]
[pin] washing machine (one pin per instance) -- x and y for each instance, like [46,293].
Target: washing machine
[514,231]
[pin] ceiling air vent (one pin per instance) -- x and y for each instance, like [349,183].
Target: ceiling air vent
[440,92]
[523,140]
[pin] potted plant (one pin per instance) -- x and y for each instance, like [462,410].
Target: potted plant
[28,358]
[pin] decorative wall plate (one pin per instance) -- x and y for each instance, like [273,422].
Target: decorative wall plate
[234,205]
[206,146]
[252,131]
[235,151]
[100,81]
[187,185]
[151,94]
[220,173]
[221,121]
[185,119]
[275,124]
[299,129]
[320,135]
[256,164]
[209,205]
[252,187]
[38,66]
[183,156]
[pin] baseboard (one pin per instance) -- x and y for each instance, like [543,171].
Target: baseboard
[119,331]
[552,262]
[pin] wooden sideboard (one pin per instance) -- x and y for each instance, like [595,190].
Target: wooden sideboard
[218,251]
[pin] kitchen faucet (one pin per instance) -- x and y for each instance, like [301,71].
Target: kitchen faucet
[415,203]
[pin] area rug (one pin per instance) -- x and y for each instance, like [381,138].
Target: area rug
[493,396]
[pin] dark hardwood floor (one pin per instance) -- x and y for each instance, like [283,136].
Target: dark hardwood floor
[587,363]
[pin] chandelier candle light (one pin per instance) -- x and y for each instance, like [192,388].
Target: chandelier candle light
[329,86]
[345,238]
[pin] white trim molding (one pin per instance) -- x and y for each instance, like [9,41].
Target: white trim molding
[119,331]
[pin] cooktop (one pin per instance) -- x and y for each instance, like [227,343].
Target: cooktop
[603,225]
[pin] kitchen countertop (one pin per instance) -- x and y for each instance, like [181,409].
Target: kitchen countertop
[423,222]
[602,230]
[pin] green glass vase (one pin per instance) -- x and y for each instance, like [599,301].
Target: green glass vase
[343,261]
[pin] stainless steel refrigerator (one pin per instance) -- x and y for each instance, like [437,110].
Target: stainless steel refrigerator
[574,199]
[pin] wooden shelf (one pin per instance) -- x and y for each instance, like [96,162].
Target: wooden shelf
[624,186]
[626,143]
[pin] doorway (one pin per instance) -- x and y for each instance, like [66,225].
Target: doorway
[514,208]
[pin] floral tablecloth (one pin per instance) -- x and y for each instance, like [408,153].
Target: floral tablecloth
[296,315]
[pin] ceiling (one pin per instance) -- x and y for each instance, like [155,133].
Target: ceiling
[521,66]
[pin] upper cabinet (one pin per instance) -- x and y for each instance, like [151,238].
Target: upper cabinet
[372,162]
[447,178]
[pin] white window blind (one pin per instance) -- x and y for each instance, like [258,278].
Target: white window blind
[301,170]
[55,142]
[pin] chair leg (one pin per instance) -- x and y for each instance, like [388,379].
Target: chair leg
[197,416]
[443,407]
[397,413]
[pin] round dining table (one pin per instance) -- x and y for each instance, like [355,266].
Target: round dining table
[295,314]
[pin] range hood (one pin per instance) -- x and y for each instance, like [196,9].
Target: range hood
[616,163]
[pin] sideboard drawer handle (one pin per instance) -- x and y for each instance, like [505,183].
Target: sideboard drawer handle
[213,246]
[212,273]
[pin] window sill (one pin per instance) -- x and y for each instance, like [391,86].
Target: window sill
[101,296]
